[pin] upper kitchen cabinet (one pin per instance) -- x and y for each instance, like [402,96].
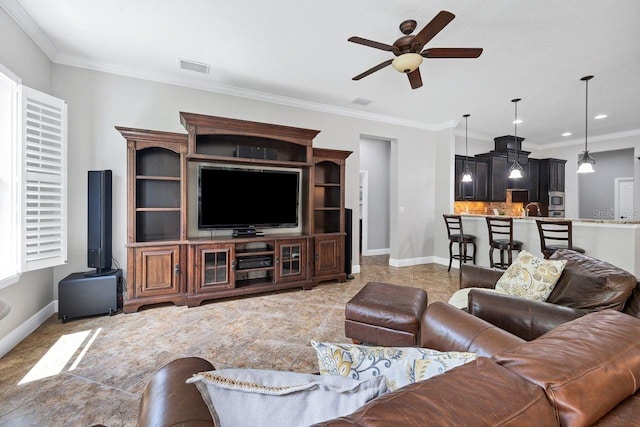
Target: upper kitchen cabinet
[534,177]
[478,188]
[552,175]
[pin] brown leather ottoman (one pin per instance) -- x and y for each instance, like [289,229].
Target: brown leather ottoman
[385,314]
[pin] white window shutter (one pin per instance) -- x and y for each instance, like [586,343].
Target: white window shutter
[43,186]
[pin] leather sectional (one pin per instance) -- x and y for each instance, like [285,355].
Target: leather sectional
[584,372]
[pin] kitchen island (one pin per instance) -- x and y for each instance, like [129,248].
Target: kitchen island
[616,242]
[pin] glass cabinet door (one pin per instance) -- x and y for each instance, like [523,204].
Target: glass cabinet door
[291,260]
[215,267]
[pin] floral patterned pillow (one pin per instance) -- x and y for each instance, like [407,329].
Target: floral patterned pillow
[531,277]
[400,365]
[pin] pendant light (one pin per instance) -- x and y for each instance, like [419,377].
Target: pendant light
[466,174]
[585,161]
[515,170]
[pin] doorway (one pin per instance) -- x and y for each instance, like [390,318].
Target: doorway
[375,157]
[624,198]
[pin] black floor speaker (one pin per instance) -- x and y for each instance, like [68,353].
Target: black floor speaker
[99,221]
[348,242]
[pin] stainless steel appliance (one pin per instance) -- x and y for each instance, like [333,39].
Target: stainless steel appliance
[556,204]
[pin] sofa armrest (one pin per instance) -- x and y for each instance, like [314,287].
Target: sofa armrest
[528,319]
[475,276]
[168,400]
[446,328]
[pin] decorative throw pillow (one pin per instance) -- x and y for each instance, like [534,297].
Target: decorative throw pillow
[253,397]
[531,277]
[400,365]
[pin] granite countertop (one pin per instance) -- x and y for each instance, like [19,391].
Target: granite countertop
[584,220]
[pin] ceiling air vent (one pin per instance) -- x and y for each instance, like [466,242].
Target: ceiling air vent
[198,67]
[361,101]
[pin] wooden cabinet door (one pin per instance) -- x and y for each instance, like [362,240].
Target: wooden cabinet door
[534,184]
[499,171]
[481,180]
[291,260]
[214,268]
[328,255]
[158,271]
[556,175]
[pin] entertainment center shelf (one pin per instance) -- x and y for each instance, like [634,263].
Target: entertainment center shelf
[167,264]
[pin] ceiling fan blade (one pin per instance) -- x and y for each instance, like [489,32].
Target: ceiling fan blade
[415,79]
[373,69]
[452,52]
[371,43]
[432,28]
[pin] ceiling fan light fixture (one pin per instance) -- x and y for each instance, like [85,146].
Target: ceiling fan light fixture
[407,62]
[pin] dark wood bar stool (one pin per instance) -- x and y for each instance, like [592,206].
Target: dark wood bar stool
[501,238]
[556,235]
[456,235]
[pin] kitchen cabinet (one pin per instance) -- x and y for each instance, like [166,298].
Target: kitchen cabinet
[498,173]
[478,189]
[552,174]
[534,176]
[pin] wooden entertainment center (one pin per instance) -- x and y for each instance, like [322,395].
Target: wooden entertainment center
[169,262]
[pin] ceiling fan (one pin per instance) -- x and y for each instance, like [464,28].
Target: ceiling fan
[408,48]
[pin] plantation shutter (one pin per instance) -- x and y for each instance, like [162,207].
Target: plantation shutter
[43,190]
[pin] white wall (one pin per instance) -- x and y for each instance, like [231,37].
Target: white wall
[99,101]
[32,295]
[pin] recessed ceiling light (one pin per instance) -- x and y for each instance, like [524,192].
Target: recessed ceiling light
[198,67]
[567,134]
[361,101]
[517,122]
[600,116]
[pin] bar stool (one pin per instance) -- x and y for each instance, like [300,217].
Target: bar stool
[501,238]
[456,235]
[556,231]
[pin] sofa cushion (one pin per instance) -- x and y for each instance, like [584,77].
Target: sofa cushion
[399,365]
[530,277]
[590,284]
[587,366]
[248,397]
[478,394]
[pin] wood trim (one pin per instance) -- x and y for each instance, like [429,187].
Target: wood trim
[151,136]
[222,125]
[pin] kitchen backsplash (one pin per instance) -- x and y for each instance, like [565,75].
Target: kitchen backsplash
[486,208]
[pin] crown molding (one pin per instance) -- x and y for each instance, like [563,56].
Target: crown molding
[22,18]
[598,138]
[64,59]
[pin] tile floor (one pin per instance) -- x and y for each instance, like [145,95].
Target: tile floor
[92,371]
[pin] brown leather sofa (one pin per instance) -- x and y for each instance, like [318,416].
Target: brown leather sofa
[586,285]
[585,372]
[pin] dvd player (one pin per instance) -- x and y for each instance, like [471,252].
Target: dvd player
[246,263]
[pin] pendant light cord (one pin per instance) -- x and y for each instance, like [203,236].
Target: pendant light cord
[466,142]
[586,112]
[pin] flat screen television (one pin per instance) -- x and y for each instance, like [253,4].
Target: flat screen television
[244,198]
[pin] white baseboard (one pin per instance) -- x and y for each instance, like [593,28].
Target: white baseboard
[21,332]
[373,252]
[355,269]
[410,261]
